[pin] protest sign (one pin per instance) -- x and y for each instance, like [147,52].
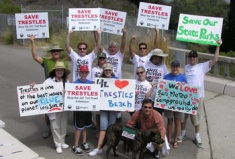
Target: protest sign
[36,24]
[153,15]
[84,19]
[40,99]
[112,21]
[116,94]
[82,97]
[199,29]
[177,96]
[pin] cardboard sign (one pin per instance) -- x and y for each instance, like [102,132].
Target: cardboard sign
[177,96]
[36,24]
[199,29]
[84,19]
[82,97]
[40,99]
[112,21]
[153,15]
[116,94]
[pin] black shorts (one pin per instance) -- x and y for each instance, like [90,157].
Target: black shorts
[82,119]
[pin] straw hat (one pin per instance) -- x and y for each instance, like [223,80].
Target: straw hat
[158,52]
[58,65]
[55,47]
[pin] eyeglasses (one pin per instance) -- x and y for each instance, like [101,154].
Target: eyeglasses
[142,48]
[82,48]
[148,107]
[55,51]
[192,56]
[139,73]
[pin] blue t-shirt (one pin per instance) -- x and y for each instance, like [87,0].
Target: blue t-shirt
[86,82]
[179,78]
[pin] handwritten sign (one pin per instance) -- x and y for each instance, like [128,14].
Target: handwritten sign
[153,15]
[40,99]
[177,96]
[84,19]
[36,24]
[82,97]
[199,29]
[116,95]
[112,21]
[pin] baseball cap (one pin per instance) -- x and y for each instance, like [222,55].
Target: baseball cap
[175,63]
[107,66]
[84,68]
[193,54]
[101,55]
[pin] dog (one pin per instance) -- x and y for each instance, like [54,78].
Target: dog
[142,138]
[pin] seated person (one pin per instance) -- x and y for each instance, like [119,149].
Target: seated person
[148,118]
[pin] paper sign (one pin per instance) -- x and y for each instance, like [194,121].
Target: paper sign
[116,94]
[82,97]
[36,24]
[40,99]
[177,96]
[112,21]
[84,19]
[153,15]
[199,29]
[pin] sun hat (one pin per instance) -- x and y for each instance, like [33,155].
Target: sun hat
[55,47]
[101,54]
[158,52]
[84,68]
[107,66]
[58,65]
[175,63]
[193,54]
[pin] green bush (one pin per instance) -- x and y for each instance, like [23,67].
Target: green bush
[8,37]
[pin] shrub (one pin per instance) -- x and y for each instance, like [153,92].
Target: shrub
[8,37]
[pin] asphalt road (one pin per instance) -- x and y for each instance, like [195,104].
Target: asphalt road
[17,68]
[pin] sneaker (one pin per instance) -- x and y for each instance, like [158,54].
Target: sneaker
[198,142]
[157,155]
[46,133]
[65,146]
[95,152]
[77,151]
[59,150]
[182,138]
[85,147]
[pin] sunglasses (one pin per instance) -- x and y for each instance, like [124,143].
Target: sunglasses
[192,56]
[107,70]
[139,73]
[142,48]
[148,107]
[82,48]
[55,51]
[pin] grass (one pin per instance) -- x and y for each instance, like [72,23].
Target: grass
[8,37]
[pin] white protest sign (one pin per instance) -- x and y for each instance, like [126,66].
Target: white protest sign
[84,19]
[112,21]
[154,15]
[40,99]
[36,24]
[82,97]
[199,29]
[116,94]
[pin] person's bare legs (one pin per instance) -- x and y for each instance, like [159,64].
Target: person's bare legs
[169,129]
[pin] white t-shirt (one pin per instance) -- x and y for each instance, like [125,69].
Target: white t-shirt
[139,61]
[195,75]
[78,61]
[96,72]
[141,88]
[116,61]
[154,73]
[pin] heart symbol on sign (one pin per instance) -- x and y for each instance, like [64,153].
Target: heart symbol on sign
[162,105]
[166,90]
[193,112]
[161,86]
[121,84]
[193,102]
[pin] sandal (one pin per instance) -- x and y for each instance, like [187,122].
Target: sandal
[175,145]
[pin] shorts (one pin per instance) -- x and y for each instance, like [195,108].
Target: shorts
[171,114]
[107,118]
[82,119]
[159,110]
[195,119]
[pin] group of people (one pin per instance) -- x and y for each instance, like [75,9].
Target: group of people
[148,69]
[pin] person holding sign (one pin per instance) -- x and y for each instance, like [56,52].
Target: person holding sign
[97,70]
[82,58]
[195,73]
[106,117]
[143,57]
[47,65]
[148,118]
[170,115]
[82,119]
[58,120]
[155,70]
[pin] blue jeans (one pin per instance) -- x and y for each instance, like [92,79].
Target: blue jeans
[107,118]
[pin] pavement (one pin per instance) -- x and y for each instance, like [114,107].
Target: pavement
[18,69]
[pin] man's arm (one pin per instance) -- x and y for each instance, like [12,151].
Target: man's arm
[131,53]
[98,41]
[33,50]
[216,55]
[68,41]
[156,38]
[123,43]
